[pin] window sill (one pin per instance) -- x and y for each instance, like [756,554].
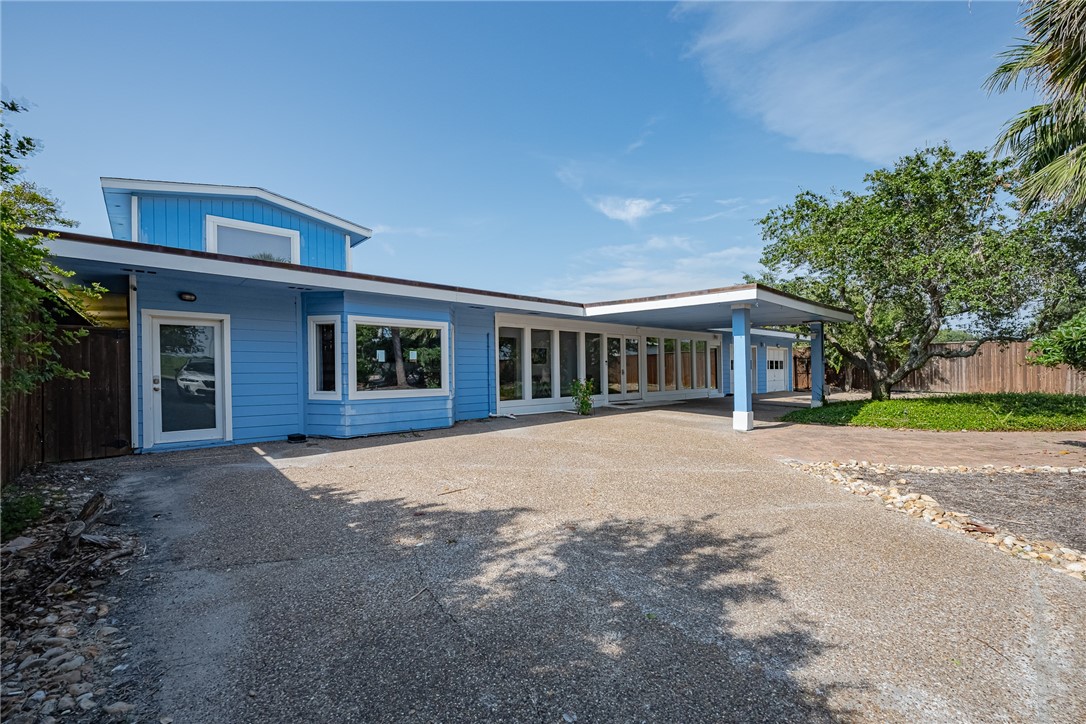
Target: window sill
[397,394]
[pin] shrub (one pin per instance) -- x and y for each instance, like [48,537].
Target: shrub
[582,396]
[16,514]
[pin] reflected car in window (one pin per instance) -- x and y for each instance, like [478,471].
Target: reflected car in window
[197,377]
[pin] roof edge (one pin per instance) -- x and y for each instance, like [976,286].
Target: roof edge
[133,184]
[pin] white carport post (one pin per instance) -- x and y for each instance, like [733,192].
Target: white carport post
[818,364]
[742,384]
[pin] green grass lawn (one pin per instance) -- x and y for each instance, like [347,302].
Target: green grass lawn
[988,413]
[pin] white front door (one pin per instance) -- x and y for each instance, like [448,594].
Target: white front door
[776,377]
[186,378]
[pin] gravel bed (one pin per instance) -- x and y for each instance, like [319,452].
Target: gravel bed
[1038,505]
[64,653]
[976,502]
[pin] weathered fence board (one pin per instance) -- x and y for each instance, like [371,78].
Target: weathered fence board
[994,368]
[76,419]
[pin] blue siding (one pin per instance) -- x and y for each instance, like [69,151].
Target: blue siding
[351,418]
[265,353]
[179,222]
[473,334]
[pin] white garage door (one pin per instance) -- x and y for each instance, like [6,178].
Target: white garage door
[776,376]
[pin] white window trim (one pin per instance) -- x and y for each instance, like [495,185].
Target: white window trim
[211,234]
[314,362]
[353,393]
[151,411]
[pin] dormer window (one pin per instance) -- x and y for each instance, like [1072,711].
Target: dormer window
[253,241]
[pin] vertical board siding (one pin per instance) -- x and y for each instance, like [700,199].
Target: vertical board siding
[78,419]
[474,361]
[265,353]
[994,368]
[179,222]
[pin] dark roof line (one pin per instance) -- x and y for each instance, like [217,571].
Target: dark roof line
[106,241]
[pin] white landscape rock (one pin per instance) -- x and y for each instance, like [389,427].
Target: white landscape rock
[850,475]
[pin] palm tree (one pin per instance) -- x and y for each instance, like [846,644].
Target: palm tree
[1048,140]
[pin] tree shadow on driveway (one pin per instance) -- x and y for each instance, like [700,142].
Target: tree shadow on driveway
[290,601]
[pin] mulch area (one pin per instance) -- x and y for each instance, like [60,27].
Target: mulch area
[1037,505]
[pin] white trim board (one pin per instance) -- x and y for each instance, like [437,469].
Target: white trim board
[175,187]
[147,317]
[770,333]
[353,393]
[503,319]
[243,272]
[127,257]
[212,224]
[311,325]
[133,359]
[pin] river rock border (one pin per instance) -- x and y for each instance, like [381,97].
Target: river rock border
[850,475]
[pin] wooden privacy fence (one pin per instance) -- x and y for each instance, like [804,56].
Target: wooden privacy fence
[73,419]
[994,368]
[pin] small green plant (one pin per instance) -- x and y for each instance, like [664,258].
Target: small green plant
[16,514]
[582,396]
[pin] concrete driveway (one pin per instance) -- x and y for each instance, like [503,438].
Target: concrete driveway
[645,565]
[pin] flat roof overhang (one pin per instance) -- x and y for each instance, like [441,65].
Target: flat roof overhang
[700,311]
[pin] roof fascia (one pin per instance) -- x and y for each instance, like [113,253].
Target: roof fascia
[176,187]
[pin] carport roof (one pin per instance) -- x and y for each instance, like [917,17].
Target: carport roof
[703,310]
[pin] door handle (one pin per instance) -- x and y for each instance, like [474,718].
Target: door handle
[156,389]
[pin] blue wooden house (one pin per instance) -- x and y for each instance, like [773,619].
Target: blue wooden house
[248,323]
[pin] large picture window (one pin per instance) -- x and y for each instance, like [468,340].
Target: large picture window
[253,241]
[398,358]
[325,367]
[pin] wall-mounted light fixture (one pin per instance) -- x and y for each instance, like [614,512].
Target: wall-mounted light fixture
[186,296]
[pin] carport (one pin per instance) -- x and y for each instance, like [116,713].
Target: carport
[739,309]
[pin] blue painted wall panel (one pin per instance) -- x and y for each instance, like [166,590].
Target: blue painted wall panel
[266,376]
[474,361]
[179,222]
[351,418]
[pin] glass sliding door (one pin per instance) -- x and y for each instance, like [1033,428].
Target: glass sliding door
[623,368]
[542,384]
[687,365]
[593,361]
[567,362]
[633,367]
[614,366]
[653,363]
[714,368]
[671,366]
[510,371]
[699,363]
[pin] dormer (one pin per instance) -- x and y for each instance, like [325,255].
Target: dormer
[242,221]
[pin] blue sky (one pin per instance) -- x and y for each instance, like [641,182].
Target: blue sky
[581,151]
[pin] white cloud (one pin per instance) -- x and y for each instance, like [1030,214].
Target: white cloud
[865,81]
[570,175]
[630,210]
[659,265]
[643,137]
[652,244]
[384,230]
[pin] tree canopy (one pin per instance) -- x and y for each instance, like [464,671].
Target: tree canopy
[1064,345]
[933,239]
[35,292]
[1048,140]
